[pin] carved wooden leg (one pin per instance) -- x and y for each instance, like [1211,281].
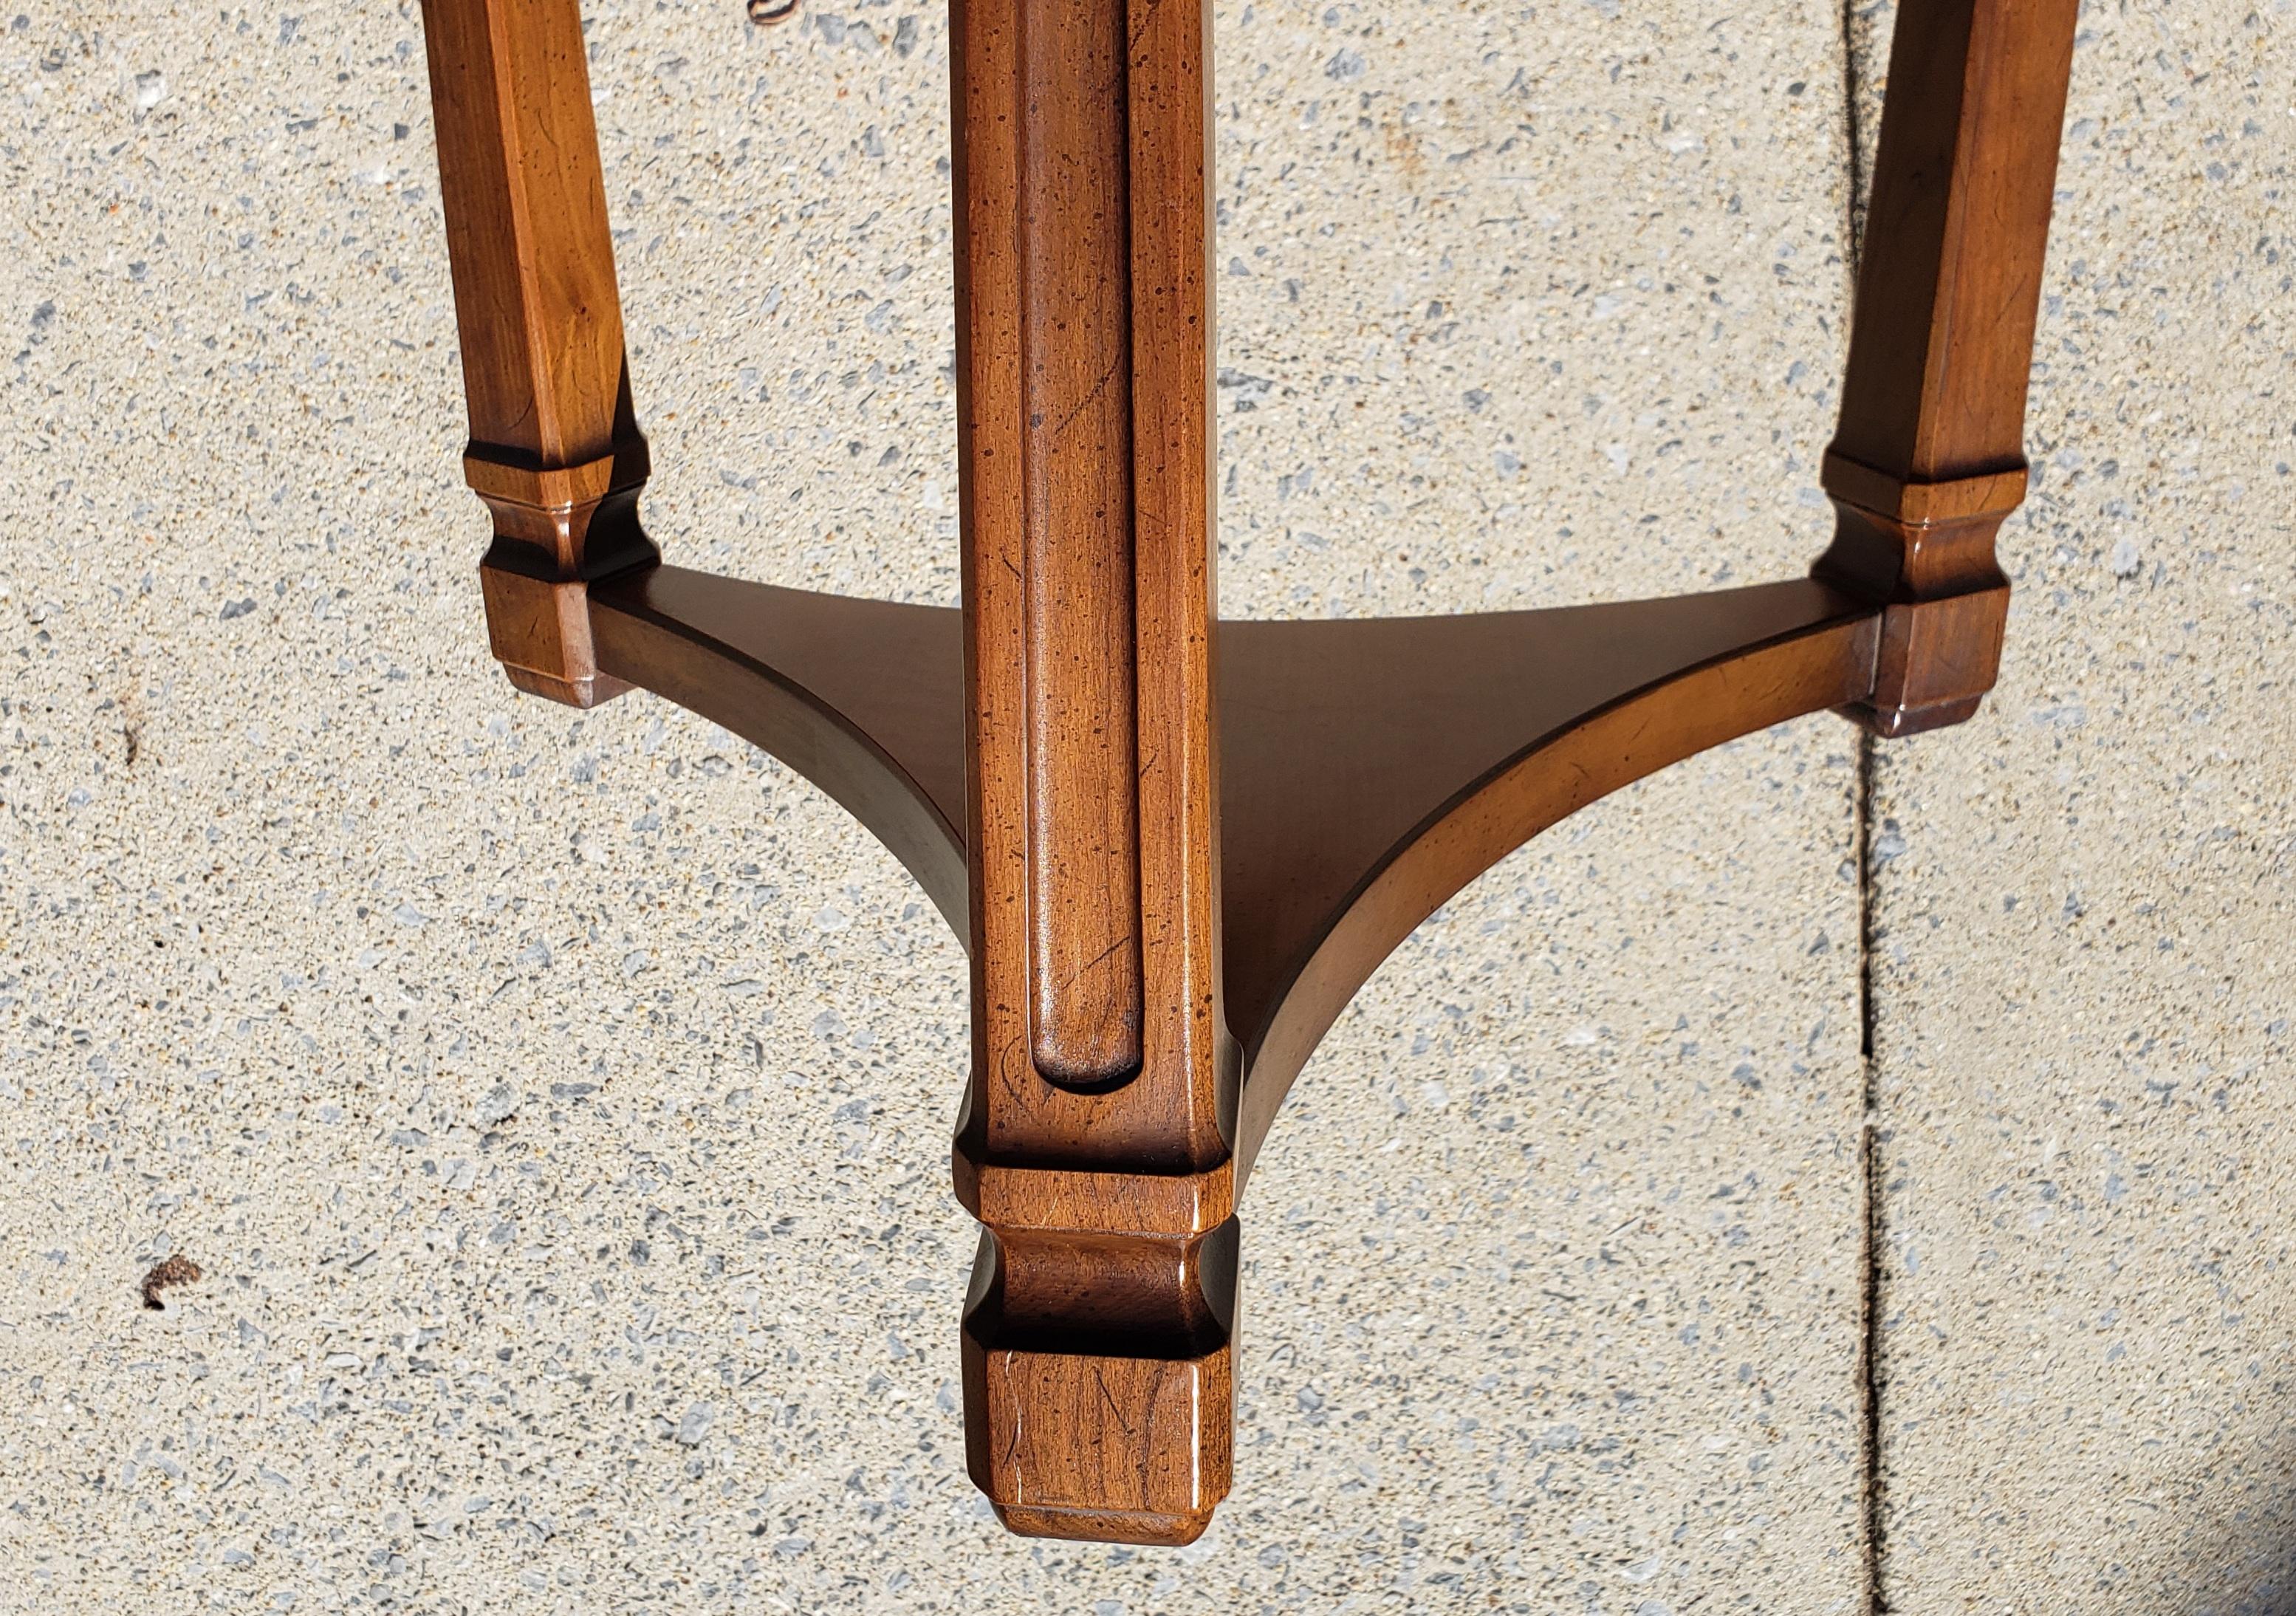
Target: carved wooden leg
[1095,1144]
[1063,805]
[555,451]
[1929,457]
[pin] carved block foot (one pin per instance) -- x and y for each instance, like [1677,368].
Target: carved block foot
[1099,1382]
[540,633]
[1058,1442]
[1924,551]
[556,529]
[1172,876]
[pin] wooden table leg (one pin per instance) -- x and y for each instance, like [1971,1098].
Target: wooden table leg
[555,451]
[1929,457]
[1095,1144]
[1064,807]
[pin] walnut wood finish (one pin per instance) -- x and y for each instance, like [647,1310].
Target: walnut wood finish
[555,451]
[1095,1144]
[1929,456]
[1177,847]
[864,698]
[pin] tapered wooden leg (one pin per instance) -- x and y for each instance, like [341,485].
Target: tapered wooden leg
[1102,1133]
[555,451]
[1095,1145]
[1929,457]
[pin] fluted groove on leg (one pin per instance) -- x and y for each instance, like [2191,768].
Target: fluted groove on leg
[1176,848]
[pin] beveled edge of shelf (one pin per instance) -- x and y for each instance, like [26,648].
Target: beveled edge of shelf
[864,698]
[1370,769]
[1422,750]
[1685,674]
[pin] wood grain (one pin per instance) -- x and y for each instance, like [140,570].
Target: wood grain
[1428,748]
[1929,458]
[1082,845]
[1376,766]
[1054,761]
[556,452]
[864,698]
[1100,1058]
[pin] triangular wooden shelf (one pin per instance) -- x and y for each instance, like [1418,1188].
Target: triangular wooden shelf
[1177,847]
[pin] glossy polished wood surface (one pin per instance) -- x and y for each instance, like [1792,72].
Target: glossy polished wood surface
[864,698]
[1375,768]
[555,451]
[1176,848]
[1929,458]
[1102,1073]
